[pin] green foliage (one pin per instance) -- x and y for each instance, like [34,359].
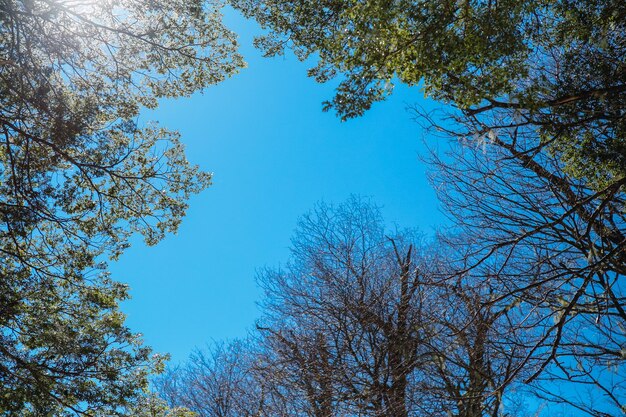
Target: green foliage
[554,66]
[461,50]
[78,177]
[153,406]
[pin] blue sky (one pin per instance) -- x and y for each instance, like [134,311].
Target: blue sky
[274,154]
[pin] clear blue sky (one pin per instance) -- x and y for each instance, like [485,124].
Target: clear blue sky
[274,154]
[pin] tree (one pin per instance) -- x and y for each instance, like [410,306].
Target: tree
[360,322]
[79,175]
[218,382]
[458,48]
[554,65]
[355,303]
[553,246]
[153,406]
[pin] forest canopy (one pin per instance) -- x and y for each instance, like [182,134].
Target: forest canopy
[521,300]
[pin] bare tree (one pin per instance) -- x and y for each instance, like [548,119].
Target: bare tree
[375,324]
[358,298]
[216,382]
[361,322]
[547,240]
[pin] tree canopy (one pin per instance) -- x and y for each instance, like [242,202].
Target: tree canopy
[528,287]
[79,175]
[553,66]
